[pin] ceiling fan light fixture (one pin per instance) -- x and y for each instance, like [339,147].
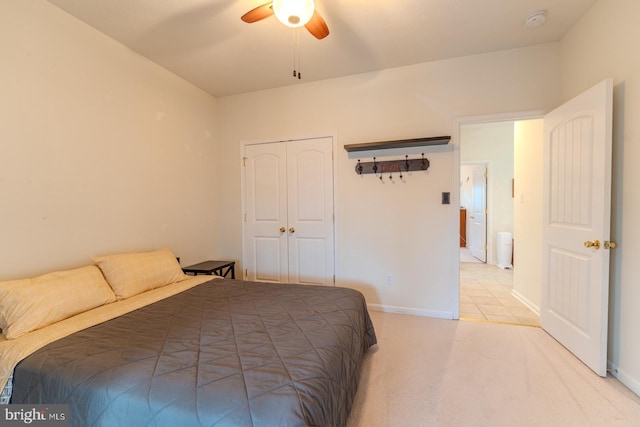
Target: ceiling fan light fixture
[293,13]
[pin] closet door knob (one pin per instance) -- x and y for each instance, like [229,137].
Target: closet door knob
[282,229]
[292,230]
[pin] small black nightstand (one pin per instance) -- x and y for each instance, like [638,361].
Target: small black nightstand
[219,268]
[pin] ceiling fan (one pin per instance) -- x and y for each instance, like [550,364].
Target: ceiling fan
[292,13]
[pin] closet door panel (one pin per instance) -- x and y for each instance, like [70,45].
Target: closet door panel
[266,213]
[310,211]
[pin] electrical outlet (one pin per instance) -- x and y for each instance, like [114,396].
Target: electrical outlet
[389,281]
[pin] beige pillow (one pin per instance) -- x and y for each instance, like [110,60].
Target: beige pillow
[133,273]
[30,304]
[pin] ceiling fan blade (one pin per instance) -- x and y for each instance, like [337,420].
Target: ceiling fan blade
[317,27]
[258,13]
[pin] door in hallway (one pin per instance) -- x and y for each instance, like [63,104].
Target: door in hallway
[477,239]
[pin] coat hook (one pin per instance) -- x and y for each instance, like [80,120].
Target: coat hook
[423,166]
[406,164]
[375,165]
[359,168]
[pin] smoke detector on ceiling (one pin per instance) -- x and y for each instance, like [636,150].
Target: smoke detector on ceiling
[536,19]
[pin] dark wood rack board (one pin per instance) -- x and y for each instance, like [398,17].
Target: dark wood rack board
[402,143]
[392,166]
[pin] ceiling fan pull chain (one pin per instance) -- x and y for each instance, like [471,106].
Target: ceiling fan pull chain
[293,42]
[296,53]
[298,47]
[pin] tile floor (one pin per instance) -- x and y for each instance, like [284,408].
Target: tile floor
[485,295]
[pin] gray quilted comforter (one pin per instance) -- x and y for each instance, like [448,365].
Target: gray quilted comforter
[225,353]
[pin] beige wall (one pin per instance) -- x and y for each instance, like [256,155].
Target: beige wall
[400,229]
[527,277]
[101,150]
[604,44]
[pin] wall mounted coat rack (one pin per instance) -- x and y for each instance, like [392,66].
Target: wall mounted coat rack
[392,166]
[395,166]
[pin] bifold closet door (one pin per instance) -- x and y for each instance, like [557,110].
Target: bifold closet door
[289,226]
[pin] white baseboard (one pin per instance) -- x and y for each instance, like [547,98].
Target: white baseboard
[410,311]
[631,383]
[531,306]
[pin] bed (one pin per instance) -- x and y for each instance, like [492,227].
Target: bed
[212,352]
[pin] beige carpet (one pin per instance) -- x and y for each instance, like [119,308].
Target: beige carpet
[433,372]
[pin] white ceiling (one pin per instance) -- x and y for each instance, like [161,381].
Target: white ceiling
[206,43]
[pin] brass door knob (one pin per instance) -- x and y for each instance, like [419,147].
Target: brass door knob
[282,229]
[609,245]
[292,230]
[592,244]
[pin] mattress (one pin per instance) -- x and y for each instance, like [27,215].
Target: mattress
[222,353]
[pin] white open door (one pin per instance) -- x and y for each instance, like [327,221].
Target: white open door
[576,222]
[478,217]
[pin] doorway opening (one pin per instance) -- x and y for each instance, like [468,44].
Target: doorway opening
[487,207]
